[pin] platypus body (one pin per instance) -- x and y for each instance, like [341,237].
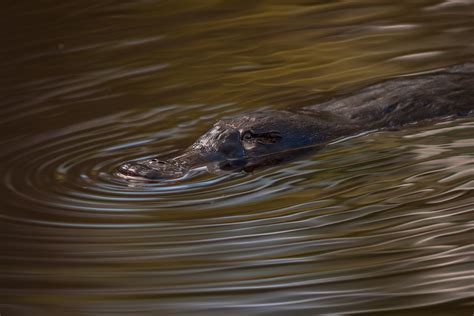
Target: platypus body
[252,140]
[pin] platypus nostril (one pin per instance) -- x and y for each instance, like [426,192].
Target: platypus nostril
[124,168]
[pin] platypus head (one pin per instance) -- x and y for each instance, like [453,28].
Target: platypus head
[244,142]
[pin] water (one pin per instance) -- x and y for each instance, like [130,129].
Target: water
[380,223]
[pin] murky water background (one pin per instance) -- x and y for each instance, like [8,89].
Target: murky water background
[379,223]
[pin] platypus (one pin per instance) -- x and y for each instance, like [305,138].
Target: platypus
[262,138]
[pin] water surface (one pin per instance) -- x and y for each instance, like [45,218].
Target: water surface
[381,223]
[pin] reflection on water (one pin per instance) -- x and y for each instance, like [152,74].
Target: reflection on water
[378,223]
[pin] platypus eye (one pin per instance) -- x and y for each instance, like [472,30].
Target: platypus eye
[248,136]
[262,138]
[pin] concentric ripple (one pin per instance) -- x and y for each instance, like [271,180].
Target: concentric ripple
[366,224]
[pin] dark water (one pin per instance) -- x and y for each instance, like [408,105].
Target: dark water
[380,223]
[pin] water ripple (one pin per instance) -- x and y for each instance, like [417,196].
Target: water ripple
[364,225]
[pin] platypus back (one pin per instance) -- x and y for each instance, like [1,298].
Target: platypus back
[407,99]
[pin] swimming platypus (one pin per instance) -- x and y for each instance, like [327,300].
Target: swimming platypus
[262,138]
